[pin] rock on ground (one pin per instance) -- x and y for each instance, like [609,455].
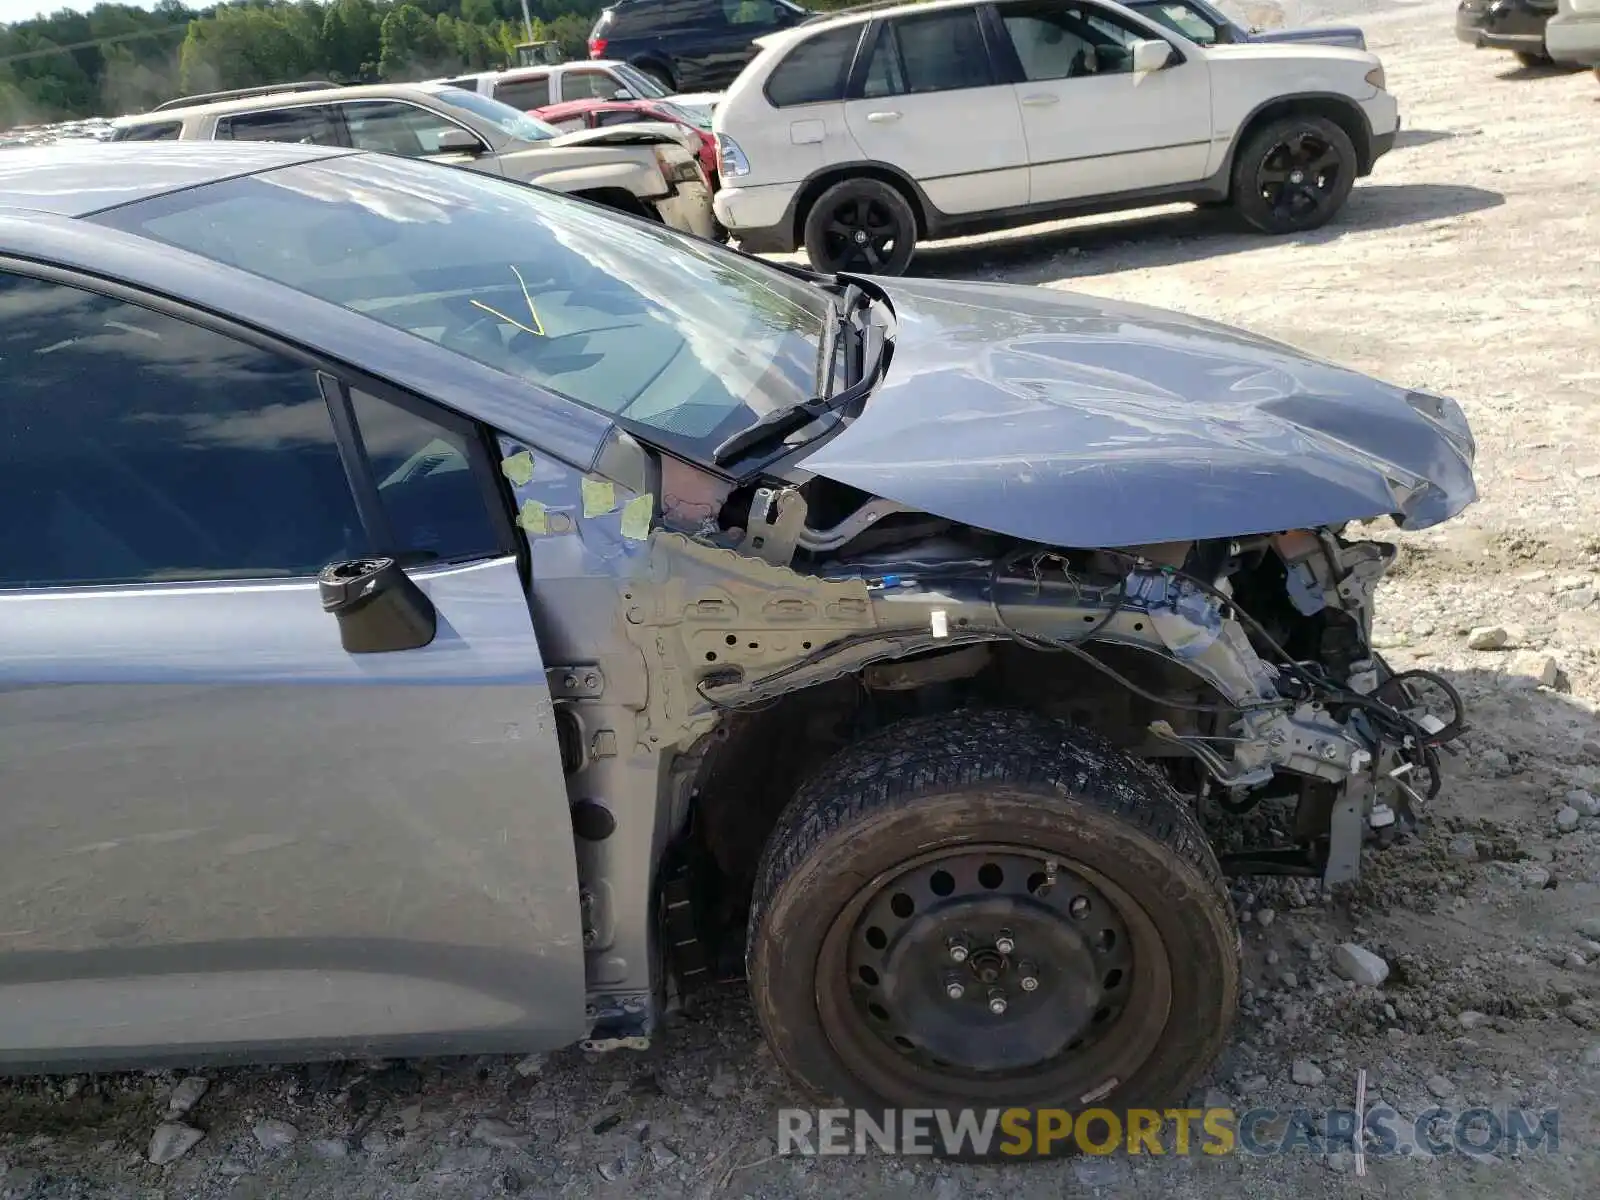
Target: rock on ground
[1359,965]
[171,1141]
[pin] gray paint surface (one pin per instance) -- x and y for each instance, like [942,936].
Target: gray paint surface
[223,832]
[1077,421]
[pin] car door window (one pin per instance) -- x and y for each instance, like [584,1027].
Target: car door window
[165,131]
[933,52]
[391,127]
[311,125]
[525,94]
[1056,42]
[589,85]
[1181,18]
[423,469]
[751,14]
[815,71]
[135,447]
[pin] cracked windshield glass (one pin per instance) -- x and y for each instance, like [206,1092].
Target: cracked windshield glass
[641,323]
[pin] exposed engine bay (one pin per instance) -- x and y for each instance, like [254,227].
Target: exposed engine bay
[1244,667]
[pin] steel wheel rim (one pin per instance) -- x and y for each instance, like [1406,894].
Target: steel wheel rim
[1047,1045]
[861,233]
[1298,176]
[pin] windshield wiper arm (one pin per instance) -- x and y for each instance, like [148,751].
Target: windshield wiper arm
[781,422]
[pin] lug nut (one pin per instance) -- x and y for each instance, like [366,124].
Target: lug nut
[954,990]
[1004,943]
[958,949]
[1078,908]
[1030,976]
[997,1002]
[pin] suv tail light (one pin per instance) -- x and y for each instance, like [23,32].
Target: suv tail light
[731,162]
[597,47]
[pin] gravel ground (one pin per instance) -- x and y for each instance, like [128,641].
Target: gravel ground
[1469,264]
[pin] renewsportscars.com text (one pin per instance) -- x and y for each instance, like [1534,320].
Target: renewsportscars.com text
[1172,1131]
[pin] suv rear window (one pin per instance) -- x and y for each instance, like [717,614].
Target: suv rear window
[815,71]
[162,131]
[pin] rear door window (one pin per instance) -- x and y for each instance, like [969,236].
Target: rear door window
[932,52]
[589,85]
[165,131]
[524,93]
[310,124]
[815,71]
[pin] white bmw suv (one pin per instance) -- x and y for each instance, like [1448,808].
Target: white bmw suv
[856,134]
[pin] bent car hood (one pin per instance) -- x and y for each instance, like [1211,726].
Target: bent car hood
[1075,421]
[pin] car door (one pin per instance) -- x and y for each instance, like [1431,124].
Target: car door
[400,127]
[928,100]
[232,821]
[1093,126]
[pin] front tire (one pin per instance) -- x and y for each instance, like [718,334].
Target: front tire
[1293,174]
[1047,855]
[861,225]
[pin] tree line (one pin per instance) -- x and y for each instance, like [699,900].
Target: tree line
[116,58]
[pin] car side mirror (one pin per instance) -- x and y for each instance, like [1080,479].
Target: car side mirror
[378,606]
[1150,54]
[459,141]
[622,94]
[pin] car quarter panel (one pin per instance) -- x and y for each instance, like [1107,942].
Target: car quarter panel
[1248,78]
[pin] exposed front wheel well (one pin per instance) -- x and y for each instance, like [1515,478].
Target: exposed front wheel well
[620,199]
[1346,114]
[814,188]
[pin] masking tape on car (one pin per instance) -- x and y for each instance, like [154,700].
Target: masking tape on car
[518,468]
[531,517]
[599,497]
[636,514]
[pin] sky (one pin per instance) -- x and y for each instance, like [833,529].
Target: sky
[23,10]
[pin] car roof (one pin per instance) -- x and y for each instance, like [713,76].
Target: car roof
[74,179]
[374,91]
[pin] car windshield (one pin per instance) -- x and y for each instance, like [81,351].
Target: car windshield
[503,117]
[640,84]
[653,327]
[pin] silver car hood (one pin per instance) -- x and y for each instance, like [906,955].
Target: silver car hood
[1074,421]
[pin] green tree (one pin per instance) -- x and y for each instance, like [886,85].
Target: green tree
[411,45]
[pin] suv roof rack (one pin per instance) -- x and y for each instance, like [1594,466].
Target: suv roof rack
[306,85]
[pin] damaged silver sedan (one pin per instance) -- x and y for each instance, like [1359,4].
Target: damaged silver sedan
[441,616]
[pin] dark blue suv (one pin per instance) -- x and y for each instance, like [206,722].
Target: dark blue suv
[689,45]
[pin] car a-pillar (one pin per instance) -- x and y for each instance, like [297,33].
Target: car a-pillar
[586,534]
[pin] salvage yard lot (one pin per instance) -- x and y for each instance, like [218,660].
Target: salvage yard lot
[1468,264]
